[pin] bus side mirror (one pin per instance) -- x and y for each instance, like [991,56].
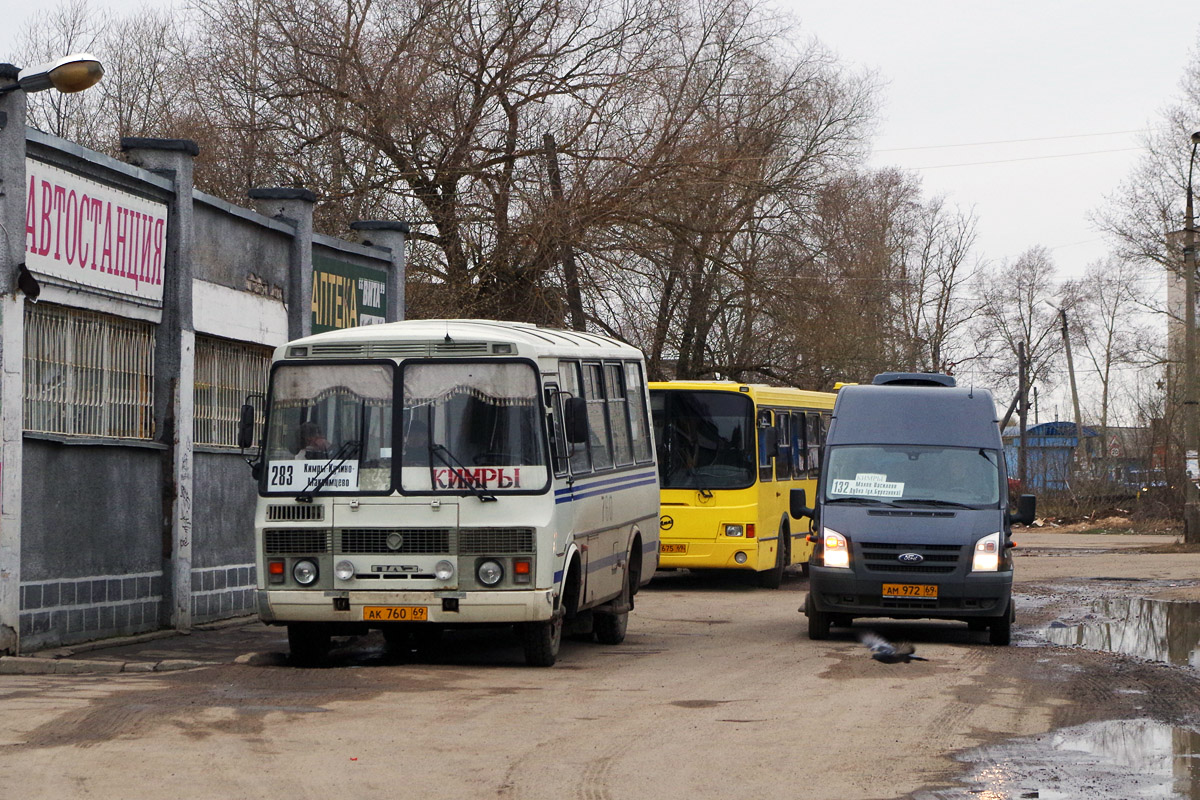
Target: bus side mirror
[575,419]
[799,504]
[1026,510]
[245,436]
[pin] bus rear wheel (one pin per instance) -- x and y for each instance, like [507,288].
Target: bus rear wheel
[308,641]
[541,640]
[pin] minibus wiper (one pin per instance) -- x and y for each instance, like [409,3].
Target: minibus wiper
[347,449]
[923,501]
[446,457]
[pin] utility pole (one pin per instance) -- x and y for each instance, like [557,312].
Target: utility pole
[1191,509]
[1075,456]
[562,233]
[1022,413]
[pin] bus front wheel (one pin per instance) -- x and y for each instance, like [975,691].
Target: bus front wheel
[541,640]
[773,578]
[610,628]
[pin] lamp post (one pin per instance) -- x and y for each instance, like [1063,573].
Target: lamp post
[67,74]
[1191,509]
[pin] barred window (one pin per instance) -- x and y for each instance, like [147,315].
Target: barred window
[226,372]
[88,374]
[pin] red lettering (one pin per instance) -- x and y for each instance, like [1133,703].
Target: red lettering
[122,231]
[31,216]
[95,217]
[106,254]
[72,228]
[47,207]
[159,224]
[147,247]
[84,204]
[60,199]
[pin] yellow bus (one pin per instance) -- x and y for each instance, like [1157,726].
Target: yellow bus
[729,455]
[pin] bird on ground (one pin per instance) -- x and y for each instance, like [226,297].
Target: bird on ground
[883,650]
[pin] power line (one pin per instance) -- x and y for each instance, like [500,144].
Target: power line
[1008,141]
[1027,158]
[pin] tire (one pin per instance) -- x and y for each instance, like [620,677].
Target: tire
[818,621]
[773,578]
[610,628]
[541,641]
[1000,628]
[308,642]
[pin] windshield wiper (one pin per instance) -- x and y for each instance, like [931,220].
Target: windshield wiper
[347,449]
[446,457]
[872,500]
[923,501]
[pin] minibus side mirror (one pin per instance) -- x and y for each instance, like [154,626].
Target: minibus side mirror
[575,419]
[798,501]
[1026,510]
[245,436]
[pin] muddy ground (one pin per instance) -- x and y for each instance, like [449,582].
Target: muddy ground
[717,692]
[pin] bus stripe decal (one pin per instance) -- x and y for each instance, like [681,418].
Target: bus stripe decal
[606,482]
[592,492]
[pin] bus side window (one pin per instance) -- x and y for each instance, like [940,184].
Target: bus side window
[568,376]
[618,415]
[799,447]
[593,391]
[783,462]
[554,427]
[764,456]
[636,388]
[814,443]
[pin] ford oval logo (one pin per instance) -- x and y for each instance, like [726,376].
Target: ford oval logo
[910,558]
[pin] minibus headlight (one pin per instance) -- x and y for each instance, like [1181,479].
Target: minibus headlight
[305,572]
[837,549]
[443,570]
[987,554]
[490,573]
[343,570]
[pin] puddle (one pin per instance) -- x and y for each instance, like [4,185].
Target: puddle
[1137,759]
[1156,630]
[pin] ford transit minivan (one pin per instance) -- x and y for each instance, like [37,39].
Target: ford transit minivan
[911,518]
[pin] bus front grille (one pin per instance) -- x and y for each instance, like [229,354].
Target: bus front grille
[484,541]
[296,513]
[412,541]
[277,542]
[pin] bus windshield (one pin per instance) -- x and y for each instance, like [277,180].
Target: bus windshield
[329,429]
[472,427]
[913,475]
[705,440]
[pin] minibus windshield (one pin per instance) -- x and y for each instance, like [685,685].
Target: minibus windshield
[913,475]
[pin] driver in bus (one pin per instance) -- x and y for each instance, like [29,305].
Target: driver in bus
[313,441]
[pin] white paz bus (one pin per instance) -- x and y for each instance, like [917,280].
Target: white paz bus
[416,476]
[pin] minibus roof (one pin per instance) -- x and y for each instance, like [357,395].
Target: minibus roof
[900,414]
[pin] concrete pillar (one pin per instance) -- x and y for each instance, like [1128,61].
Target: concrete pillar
[295,207]
[175,365]
[388,235]
[12,353]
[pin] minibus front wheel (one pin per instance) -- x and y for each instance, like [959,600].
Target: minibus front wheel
[818,621]
[1000,628]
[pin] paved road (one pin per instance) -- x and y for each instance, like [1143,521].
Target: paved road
[715,693]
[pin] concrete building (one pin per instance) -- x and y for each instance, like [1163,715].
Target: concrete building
[136,314]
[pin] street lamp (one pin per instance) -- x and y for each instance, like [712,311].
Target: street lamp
[1191,509]
[67,74]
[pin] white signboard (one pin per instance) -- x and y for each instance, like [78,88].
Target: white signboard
[868,484]
[303,475]
[91,234]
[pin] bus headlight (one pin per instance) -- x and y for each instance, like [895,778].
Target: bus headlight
[733,530]
[343,570]
[490,573]
[305,572]
[987,554]
[443,570]
[837,549]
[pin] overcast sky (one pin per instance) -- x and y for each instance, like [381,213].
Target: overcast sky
[1081,78]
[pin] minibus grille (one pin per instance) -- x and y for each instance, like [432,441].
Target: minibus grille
[296,513]
[482,541]
[375,541]
[937,558]
[295,541]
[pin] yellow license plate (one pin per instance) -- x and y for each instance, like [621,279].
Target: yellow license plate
[910,590]
[395,614]
[673,549]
